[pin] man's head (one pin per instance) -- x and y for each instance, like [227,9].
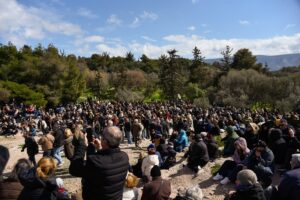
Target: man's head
[261,146]
[295,161]
[155,171]
[246,177]
[111,137]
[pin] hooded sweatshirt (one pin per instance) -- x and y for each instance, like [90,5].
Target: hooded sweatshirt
[239,157]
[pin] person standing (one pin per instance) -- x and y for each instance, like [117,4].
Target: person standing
[46,142]
[31,146]
[58,143]
[104,172]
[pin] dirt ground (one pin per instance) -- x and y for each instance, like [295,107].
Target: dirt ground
[178,175]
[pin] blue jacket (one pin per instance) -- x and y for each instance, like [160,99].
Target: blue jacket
[289,187]
[183,139]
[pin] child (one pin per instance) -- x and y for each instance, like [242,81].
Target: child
[130,191]
[32,147]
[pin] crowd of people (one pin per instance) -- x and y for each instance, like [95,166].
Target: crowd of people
[256,144]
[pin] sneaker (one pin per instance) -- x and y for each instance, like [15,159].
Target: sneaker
[218,177]
[225,181]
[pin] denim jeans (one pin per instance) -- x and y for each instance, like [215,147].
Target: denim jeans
[56,154]
[128,136]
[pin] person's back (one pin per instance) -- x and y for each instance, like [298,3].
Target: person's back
[158,188]
[103,173]
[289,187]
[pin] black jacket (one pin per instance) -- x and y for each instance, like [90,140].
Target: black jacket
[198,153]
[289,187]
[31,146]
[103,173]
[36,188]
[59,138]
[253,192]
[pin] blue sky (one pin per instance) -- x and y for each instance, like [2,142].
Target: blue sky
[266,27]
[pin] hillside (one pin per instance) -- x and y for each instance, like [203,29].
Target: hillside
[274,62]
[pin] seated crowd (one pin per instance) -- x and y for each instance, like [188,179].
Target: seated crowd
[256,146]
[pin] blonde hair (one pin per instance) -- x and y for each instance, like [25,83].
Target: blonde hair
[46,167]
[78,133]
[68,133]
[131,180]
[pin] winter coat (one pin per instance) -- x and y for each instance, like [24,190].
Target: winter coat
[103,174]
[239,157]
[10,189]
[183,139]
[157,189]
[278,146]
[197,153]
[35,188]
[229,143]
[289,187]
[136,129]
[266,159]
[69,148]
[148,162]
[31,146]
[46,141]
[250,192]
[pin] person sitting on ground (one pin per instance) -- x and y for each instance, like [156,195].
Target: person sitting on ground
[230,168]
[130,191]
[182,142]
[11,188]
[137,168]
[197,154]
[278,145]
[212,146]
[171,157]
[158,188]
[31,146]
[289,187]
[148,162]
[251,134]
[68,146]
[247,187]
[261,161]
[104,172]
[40,183]
[229,140]
[192,193]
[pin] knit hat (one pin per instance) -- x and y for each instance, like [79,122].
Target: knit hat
[155,171]
[151,146]
[247,177]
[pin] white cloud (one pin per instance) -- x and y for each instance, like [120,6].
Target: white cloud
[135,23]
[148,38]
[116,50]
[244,22]
[86,13]
[211,48]
[149,15]
[88,39]
[19,23]
[145,16]
[114,20]
[288,26]
[191,28]
[195,1]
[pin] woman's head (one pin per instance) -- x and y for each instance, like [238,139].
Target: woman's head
[240,144]
[131,181]
[68,133]
[46,167]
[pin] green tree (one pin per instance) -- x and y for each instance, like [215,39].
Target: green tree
[243,59]
[226,60]
[171,76]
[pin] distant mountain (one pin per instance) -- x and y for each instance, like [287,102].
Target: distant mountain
[274,62]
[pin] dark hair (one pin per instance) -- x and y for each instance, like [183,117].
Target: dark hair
[261,143]
[21,165]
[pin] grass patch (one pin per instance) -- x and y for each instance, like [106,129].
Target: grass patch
[215,169]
